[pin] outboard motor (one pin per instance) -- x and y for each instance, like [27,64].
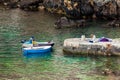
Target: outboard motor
[23,41]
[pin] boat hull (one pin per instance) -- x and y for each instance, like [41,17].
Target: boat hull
[36,50]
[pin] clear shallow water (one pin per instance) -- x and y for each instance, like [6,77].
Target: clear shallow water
[16,25]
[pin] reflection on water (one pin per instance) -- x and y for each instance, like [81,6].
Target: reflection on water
[16,25]
[38,55]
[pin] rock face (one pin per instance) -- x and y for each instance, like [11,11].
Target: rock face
[74,9]
[64,22]
[29,4]
[10,3]
[52,3]
[109,10]
[78,46]
[22,4]
[106,9]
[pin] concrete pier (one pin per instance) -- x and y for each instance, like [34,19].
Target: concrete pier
[78,46]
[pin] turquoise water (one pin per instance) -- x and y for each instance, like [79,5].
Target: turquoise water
[16,25]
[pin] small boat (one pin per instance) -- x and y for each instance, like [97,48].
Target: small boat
[28,44]
[38,55]
[35,50]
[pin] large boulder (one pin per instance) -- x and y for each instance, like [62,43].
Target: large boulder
[114,23]
[78,9]
[52,3]
[10,3]
[22,4]
[118,3]
[64,22]
[107,9]
[29,4]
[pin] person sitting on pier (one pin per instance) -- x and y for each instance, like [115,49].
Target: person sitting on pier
[93,37]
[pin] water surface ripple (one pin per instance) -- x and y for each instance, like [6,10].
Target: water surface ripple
[16,25]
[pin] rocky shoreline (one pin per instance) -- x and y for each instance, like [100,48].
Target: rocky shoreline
[73,9]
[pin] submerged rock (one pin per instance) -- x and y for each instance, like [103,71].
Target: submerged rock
[114,23]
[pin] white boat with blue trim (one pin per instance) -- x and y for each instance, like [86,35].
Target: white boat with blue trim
[36,50]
